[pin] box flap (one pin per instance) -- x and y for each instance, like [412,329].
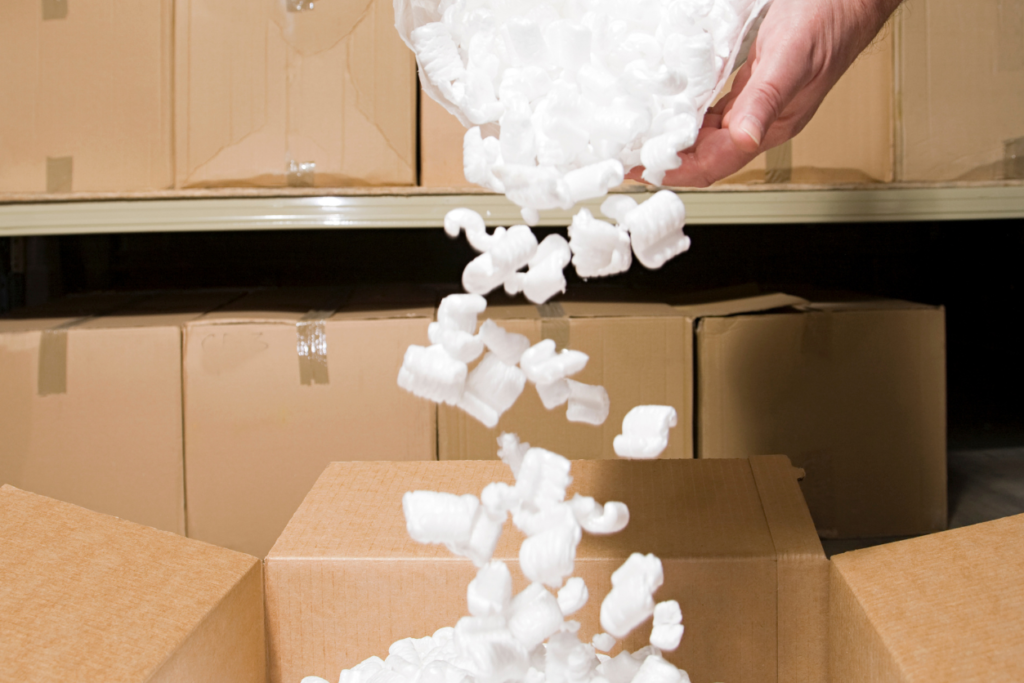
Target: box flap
[866,305]
[164,309]
[949,606]
[665,498]
[752,304]
[280,305]
[91,597]
[802,571]
[68,310]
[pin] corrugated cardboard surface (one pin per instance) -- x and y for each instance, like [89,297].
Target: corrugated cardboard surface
[87,597]
[441,137]
[961,82]
[737,544]
[90,410]
[257,87]
[641,353]
[85,98]
[850,138]
[257,437]
[855,394]
[946,607]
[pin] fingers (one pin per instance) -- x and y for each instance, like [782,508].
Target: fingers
[773,78]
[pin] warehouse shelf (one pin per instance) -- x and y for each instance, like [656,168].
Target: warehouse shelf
[425,208]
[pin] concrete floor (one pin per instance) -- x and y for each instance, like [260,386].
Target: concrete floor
[984,484]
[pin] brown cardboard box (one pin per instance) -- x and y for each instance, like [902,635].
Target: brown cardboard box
[639,352]
[258,86]
[854,392]
[961,89]
[87,597]
[263,419]
[737,544]
[441,137]
[850,138]
[85,98]
[90,410]
[945,607]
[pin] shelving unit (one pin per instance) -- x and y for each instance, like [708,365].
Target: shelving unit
[383,208]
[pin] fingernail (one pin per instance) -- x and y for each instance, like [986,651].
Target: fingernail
[752,127]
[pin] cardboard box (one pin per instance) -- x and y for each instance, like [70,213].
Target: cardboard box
[85,98]
[639,352]
[945,607]
[90,410]
[259,86]
[441,137]
[87,597]
[737,544]
[961,90]
[281,383]
[854,392]
[850,138]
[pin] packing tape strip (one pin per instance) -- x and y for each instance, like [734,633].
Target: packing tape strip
[53,358]
[55,9]
[1011,35]
[779,163]
[1013,159]
[59,174]
[312,347]
[554,324]
[301,174]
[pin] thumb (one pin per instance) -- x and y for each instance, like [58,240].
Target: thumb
[773,84]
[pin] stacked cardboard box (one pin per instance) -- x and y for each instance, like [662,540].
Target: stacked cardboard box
[86,96]
[90,410]
[960,71]
[116,96]
[292,93]
[282,382]
[639,352]
[853,391]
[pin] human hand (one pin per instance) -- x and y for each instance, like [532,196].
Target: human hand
[801,50]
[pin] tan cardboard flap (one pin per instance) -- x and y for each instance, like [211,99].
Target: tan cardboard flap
[89,597]
[949,606]
[344,580]
[803,571]
[750,304]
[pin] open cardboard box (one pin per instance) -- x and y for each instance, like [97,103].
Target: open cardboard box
[91,598]
[735,538]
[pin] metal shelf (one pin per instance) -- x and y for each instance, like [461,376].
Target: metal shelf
[170,212]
